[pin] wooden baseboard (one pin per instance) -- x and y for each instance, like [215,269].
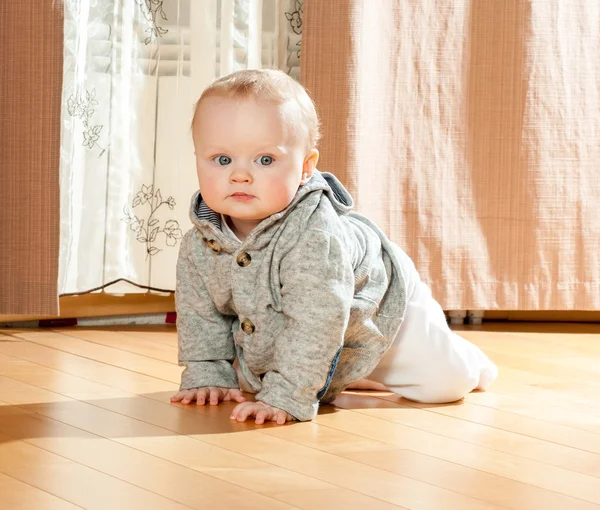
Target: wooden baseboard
[544,315]
[103,305]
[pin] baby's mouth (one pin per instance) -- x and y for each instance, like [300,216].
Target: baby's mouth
[242,196]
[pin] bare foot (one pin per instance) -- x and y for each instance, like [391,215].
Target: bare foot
[367,385]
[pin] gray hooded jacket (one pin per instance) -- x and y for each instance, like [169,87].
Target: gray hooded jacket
[309,302]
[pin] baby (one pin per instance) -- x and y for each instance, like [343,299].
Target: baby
[283,290]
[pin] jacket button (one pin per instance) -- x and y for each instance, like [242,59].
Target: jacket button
[244,259]
[248,327]
[214,246]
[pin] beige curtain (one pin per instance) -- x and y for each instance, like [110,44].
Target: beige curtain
[31,38]
[470,131]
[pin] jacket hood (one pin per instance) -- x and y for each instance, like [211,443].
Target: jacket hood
[321,182]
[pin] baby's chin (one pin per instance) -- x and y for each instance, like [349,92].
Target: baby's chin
[248,218]
[239,213]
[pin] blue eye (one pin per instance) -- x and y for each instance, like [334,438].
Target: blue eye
[222,160]
[265,160]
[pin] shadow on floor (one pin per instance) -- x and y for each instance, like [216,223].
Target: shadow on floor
[151,415]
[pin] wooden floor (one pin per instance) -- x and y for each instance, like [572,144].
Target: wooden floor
[85,422]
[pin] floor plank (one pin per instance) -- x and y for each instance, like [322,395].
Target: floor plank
[109,355]
[17,495]
[503,420]
[137,468]
[76,431]
[394,488]
[513,467]
[429,469]
[128,343]
[85,422]
[73,482]
[499,440]
[334,498]
[468,481]
[322,467]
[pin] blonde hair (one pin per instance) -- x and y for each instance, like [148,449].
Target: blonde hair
[271,85]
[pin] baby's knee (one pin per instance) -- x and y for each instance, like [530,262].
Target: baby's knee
[449,385]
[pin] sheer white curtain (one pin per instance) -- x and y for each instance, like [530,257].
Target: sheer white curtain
[133,70]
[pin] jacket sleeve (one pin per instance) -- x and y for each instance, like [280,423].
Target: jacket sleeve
[317,290]
[206,347]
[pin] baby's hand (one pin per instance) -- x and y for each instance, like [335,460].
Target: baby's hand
[263,412]
[213,395]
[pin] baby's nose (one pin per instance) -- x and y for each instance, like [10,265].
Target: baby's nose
[241,174]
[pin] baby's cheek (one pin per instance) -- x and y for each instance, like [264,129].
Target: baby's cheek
[281,195]
[208,188]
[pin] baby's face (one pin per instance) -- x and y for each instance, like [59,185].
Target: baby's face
[249,162]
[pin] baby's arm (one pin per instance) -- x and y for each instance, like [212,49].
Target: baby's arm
[206,347]
[317,291]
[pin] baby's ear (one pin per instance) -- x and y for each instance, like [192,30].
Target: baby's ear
[310,163]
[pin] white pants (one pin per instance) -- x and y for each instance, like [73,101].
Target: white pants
[427,362]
